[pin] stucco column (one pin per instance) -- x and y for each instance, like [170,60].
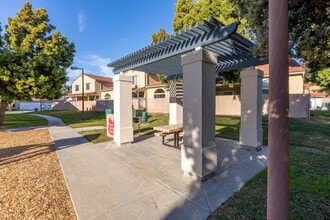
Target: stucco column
[199,152]
[123,129]
[176,105]
[251,108]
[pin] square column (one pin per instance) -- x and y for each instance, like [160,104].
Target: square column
[123,129]
[199,151]
[175,111]
[251,108]
[176,105]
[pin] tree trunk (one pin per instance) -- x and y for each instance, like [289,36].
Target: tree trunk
[3,106]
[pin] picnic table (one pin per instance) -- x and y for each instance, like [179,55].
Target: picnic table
[164,130]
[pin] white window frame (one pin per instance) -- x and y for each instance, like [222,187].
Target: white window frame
[159,93]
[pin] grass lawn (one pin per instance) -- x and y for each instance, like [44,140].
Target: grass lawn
[309,161]
[96,136]
[309,176]
[320,114]
[73,119]
[18,119]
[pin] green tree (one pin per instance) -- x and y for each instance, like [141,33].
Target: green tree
[309,29]
[222,10]
[322,78]
[185,15]
[34,58]
[159,36]
[188,13]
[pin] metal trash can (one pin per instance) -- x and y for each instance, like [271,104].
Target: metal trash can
[109,111]
[144,116]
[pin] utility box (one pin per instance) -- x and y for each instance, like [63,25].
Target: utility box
[144,116]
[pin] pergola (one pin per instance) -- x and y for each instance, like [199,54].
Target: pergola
[197,54]
[233,51]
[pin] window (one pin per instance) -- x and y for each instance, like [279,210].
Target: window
[159,93]
[88,86]
[107,96]
[76,88]
[134,80]
[265,86]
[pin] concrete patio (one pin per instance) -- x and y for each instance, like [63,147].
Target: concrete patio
[144,180]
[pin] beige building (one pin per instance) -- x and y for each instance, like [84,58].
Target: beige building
[318,100]
[95,87]
[296,77]
[148,92]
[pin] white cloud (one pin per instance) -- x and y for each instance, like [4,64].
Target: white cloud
[100,63]
[81,22]
[72,75]
[92,64]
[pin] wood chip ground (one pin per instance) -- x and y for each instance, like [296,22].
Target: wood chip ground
[32,185]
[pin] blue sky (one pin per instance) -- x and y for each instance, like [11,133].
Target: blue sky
[102,30]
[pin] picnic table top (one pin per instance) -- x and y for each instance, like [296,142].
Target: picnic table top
[169,128]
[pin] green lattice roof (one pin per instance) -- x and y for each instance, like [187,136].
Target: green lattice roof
[234,51]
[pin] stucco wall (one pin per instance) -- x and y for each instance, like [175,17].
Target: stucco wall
[296,84]
[138,103]
[86,80]
[231,105]
[228,105]
[158,105]
[98,105]
[141,77]
[103,93]
[298,105]
[150,92]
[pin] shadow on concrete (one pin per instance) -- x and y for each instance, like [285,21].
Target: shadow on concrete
[142,138]
[236,165]
[69,142]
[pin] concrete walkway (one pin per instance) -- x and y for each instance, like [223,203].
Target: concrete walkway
[144,180]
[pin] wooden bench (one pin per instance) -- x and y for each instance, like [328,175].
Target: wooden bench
[163,135]
[165,130]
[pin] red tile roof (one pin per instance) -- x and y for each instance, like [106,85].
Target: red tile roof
[79,94]
[100,79]
[294,67]
[155,84]
[313,90]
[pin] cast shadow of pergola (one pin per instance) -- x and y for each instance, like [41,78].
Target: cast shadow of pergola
[198,55]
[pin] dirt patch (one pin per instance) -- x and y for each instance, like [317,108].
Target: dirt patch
[32,183]
[313,150]
[322,120]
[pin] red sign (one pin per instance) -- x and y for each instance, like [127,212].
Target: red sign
[110,125]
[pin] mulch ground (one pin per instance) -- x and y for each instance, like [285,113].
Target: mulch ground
[32,185]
